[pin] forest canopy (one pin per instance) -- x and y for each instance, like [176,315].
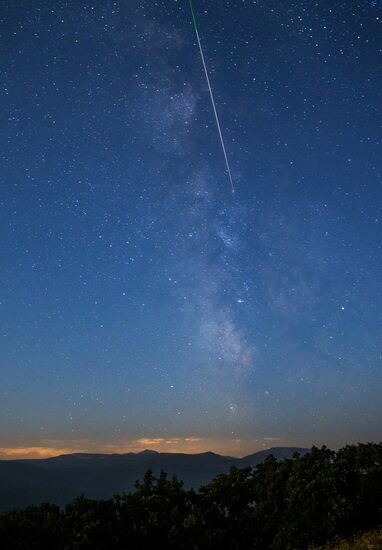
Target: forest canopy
[293,504]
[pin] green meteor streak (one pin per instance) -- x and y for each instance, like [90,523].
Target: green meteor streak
[212,96]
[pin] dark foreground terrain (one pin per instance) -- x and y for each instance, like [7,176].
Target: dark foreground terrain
[59,480]
[293,504]
[366,541]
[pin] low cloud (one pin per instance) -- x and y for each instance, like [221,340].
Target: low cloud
[34,452]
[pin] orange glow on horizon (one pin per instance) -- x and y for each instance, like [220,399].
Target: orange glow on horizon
[190,445]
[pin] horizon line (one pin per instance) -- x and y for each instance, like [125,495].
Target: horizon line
[153,451]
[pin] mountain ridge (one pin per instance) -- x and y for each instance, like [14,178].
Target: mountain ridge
[59,479]
[151,452]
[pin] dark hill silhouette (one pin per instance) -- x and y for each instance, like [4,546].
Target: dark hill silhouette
[60,479]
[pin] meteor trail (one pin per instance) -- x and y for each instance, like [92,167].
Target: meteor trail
[212,96]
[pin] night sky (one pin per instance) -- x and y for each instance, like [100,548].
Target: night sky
[142,304]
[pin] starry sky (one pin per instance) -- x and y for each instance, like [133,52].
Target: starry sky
[142,304]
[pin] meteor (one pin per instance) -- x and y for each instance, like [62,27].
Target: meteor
[212,97]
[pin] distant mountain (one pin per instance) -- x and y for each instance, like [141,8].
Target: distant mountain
[281,453]
[60,479]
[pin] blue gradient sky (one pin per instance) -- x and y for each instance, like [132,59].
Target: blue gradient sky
[144,305]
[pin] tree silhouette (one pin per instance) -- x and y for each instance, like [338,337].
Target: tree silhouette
[280,505]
